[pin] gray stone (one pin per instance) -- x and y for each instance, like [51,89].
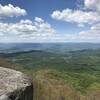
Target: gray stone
[15,85]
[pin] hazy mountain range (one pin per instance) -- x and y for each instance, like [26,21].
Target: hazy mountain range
[57,47]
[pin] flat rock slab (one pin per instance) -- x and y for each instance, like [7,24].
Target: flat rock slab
[14,85]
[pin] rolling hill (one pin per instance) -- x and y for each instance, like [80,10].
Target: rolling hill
[59,75]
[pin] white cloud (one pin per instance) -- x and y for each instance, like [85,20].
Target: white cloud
[94,32]
[11,11]
[92,4]
[40,20]
[27,21]
[76,16]
[88,16]
[92,36]
[26,30]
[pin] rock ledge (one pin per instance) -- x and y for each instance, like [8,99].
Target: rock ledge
[15,85]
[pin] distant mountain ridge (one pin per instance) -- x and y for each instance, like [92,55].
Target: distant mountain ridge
[55,47]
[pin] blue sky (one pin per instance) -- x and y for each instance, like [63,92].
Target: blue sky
[49,21]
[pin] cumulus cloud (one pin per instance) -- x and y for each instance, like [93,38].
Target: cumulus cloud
[11,11]
[41,31]
[40,20]
[90,15]
[92,4]
[76,16]
[94,32]
[92,35]
[26,29]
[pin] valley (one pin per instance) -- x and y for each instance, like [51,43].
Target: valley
[58,73]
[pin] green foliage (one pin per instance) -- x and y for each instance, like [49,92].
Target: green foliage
[78,70]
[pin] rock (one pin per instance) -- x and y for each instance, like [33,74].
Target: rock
[15,85]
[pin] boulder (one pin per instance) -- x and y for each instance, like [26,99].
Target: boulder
[15,85]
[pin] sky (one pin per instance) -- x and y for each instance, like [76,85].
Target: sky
[51,21]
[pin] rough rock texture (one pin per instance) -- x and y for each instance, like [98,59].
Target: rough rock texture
[14,85]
